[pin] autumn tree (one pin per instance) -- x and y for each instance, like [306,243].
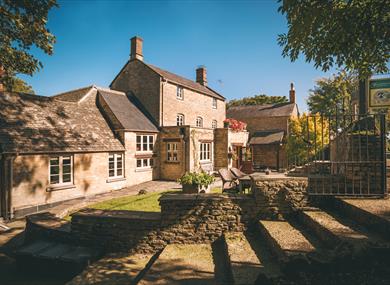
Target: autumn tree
[23,26]
[257,100]
[333,94]
[352,34]
[308,138]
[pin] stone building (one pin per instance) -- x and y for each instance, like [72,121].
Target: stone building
[268,130]
[154,125]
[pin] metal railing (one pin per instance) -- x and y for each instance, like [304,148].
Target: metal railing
[345,155]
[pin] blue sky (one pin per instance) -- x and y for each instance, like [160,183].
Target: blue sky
[235,40]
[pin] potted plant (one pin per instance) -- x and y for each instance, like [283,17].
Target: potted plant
[196,182]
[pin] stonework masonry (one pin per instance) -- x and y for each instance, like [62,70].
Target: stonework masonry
[184,218]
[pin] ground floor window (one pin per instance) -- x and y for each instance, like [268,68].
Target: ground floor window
[115,165]
[144,162]
[61,169]
[172,151]
[205,151]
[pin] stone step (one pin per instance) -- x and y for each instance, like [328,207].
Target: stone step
[41,254]
[245,265]
[114,269]
[289,245]
[330,231]
[374,214]
[182,264]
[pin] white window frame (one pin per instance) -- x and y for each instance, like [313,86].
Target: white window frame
[146,162]
[116,155]
[180,93]
[180,119]
[172,153]
[199,122]
[61,170]
[205,151]
[215,103]
[214,124]
[150,141]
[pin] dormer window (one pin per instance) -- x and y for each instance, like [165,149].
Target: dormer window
[214,103]
[179,93]
[180,119]
[199,122]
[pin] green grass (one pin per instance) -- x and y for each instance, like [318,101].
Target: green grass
[148,202]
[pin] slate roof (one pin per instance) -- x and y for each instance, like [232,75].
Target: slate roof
[267,137]
[34,124]
[185,82]
[126,112]
[255,111]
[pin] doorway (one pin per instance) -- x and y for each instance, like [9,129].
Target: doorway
[237,159]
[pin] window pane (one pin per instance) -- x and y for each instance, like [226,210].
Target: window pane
[54,161]
[151,162]
[66,169]
[54,170]
[119,172]
[111,173]
[139,162]
[66,178]
[119,164]
[145,162]
[66,160]
[138,139]
[54,179]
[175,156]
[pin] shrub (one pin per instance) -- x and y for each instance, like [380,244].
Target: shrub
[194,178]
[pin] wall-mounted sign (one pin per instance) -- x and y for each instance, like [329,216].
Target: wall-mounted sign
[379,92]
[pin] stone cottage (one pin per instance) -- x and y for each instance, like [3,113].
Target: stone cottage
[268,129]
[151,124]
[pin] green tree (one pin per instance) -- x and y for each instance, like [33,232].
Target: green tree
[334,93]
[257,100]
[352,34]
[23,26]
[18,85]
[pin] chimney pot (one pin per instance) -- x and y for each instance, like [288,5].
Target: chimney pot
[136,48]
[201,75]
[292,93]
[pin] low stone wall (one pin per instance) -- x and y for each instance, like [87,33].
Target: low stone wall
[184,218]
[278,197]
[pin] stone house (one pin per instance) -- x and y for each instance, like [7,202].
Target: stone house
[154,125]
[268,130]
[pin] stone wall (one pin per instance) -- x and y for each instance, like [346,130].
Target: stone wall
[185,218]
[278,197]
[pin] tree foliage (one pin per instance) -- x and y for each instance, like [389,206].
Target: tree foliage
[18,85]
[353,34]
[308,136]
[333,94]
[23,26]
[257,100]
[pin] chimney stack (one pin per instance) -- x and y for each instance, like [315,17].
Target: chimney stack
[136,48]
[201,75]
[292,93]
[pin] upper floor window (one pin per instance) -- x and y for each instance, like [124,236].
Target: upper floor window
[199,122]
[145,142]
[215,102]
[172,151]
[180,119]
[205,151]
[214,124]
[115,165]
[179,93]
[61,169]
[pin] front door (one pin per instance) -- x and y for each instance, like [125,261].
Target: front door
[237,161]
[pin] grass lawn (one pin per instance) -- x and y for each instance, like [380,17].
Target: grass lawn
[148,202]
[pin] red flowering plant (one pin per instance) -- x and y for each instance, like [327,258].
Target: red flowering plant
[235,125]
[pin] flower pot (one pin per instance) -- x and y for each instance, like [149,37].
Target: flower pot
[195,189]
